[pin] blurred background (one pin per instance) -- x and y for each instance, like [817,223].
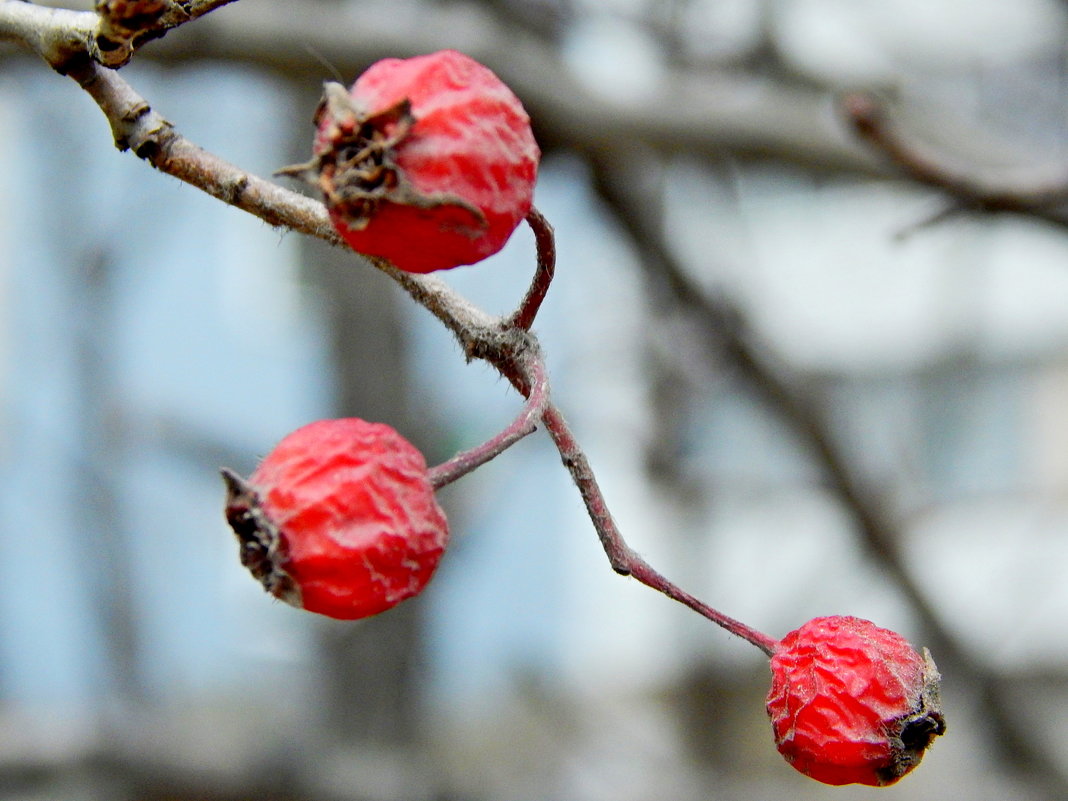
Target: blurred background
[809,383]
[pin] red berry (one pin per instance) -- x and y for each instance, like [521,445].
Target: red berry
[339,519]
[851,702]
[428,162]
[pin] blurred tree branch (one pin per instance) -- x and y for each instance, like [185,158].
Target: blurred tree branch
[968,193]
[714,114]
[708,114]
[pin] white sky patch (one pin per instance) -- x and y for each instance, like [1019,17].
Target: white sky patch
[845,41]
[614,58]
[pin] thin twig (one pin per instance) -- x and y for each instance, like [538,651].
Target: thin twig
[525,423]
[545,241]
[623,559]
[137,127]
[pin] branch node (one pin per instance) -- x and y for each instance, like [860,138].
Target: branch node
[526,422]
[232,189]
[120,24]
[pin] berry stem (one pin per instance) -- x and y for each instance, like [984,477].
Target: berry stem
[622,558]
[525,423]
[545,241]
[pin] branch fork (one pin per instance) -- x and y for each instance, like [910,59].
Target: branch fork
[65,39]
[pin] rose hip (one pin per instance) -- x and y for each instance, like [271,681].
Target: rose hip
[339,519]
[428,162]
[852,703]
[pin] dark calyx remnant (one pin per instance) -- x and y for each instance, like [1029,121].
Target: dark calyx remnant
[354,163]
[918,730]
[357,169]
[259,541]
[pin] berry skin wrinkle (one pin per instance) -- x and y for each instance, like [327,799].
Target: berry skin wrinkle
[339,519]
[852,703]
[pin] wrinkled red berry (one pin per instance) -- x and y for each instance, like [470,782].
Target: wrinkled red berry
[428,162]
[851,702]
[339,519]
